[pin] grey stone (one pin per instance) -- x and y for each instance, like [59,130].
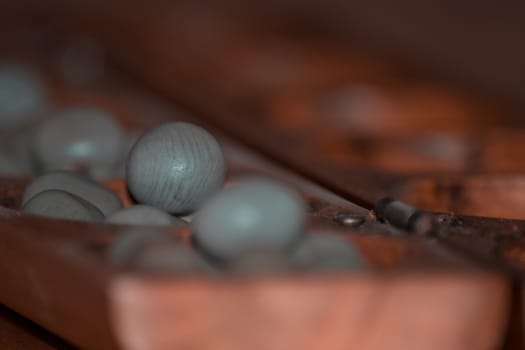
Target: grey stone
[175,167]
[22,95]
[78,138]
[81,186]
[154,252]
[62,205]
[326,252]
[251,214]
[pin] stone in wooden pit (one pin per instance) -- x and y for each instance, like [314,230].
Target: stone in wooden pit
[326,252]
[62,205]
[154,252]
[81,186]
[175,167]
[22,95]
[252,214]
[84,138]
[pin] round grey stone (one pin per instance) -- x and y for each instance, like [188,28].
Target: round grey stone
[175,167]
[143,215]
[22,95]
[127,245]
[249,215]
[326,252]
[78,138]
[81,186]
[62,205]
[154,252]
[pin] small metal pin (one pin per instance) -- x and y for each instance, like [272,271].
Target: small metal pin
[350,220]
[398,214]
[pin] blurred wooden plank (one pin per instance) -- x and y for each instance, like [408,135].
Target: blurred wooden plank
[476,43]
[363,312]
[18,333]
[63,282]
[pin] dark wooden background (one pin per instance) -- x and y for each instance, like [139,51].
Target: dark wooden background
[475,43]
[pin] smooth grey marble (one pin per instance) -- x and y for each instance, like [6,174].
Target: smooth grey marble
[126,246]
[154,252]
[62,205]
[251,214]
[326,252]
[78,138]
[144,215]
[175,167]
[22,95]
[81,186]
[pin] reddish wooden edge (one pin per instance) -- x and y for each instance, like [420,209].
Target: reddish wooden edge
[409,311]
[55,274]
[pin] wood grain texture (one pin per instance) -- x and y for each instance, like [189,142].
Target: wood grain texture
[175,167]
[498,194]
[53,285]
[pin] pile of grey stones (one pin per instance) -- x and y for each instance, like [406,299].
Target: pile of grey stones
[175,173]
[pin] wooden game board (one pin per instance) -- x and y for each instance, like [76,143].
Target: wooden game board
[451,281]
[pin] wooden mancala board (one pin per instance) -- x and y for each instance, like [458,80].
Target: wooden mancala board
[446,281]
